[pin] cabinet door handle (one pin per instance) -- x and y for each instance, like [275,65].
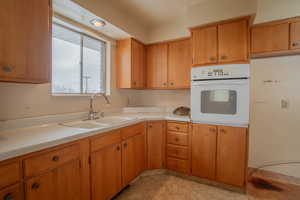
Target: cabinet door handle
[35,186]
[177,127]
[125,145]
[118,148]
[55,158]
[9,196]
[134,82]
[212,59]
[222,131]
[172,83]
[164,84]
[176,139]
[224,57]
[150,126]
[212,130]
[7,68]
[295,44]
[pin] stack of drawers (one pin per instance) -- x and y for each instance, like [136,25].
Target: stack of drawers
[10,176]
[178,149]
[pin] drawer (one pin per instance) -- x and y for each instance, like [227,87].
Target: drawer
[11,193]
[9,174]
[180,127]
[177,138]
[109,138]
[49,160]
[178,165]
[133,130]
[177,151]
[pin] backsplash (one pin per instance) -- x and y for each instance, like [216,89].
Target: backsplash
[165,98]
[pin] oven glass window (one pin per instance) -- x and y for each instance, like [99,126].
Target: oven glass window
[219,102]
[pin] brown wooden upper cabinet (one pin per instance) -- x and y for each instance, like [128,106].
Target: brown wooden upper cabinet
[179,64]
[130,61]
[276,38]
[295,35]
[157,66]
[25,38]
[223,42]
[169,65]
[268,38]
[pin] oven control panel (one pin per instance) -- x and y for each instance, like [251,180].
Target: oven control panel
[221,72]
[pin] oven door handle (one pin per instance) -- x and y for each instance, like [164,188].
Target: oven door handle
[222,82]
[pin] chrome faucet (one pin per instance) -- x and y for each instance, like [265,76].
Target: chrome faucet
[92,114]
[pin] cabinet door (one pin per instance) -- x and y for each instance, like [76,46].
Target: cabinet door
[157,65]
[106,169]
[133,157]
[138,65]
[61,184]
[295,36]
[205,46]
[25,39]
[233,42]
[179,64]
[156,138]
[270,38]
[231,155]
[204,147]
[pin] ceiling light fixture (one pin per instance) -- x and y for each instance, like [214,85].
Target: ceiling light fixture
[97,22]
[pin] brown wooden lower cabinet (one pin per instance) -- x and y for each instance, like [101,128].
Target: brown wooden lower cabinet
[220,153]
[133,157]
[106,170]
[63,183]
[231,155]
[118,157]
[204,147]
[156,144]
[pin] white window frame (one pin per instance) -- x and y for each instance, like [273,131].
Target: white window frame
[107,60]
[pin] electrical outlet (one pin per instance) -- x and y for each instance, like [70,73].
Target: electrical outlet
[284,104]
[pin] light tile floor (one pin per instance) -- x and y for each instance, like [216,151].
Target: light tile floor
[168,187]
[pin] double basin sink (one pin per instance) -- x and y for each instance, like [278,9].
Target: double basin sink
[98,123]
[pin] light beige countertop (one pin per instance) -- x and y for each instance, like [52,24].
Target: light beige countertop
[21,141]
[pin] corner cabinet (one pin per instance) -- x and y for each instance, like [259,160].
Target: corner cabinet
[25,38]
[130,63]
[157,66]
[221,43]
[169,65]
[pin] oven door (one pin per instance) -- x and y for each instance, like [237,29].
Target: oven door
[221,102]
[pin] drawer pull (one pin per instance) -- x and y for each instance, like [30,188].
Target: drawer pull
[177,127]
[211,59]
[224,57]
[125,145]
[7,68]
[9,196]
[118,148]
[176,139]
[35,186]
[55,158]
[150,126]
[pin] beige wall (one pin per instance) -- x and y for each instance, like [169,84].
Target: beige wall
[165,98]
[27,100]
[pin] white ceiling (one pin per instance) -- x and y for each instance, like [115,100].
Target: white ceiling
[75,12]
[155,12]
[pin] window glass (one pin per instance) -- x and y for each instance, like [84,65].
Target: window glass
[219,102]
[78,63]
